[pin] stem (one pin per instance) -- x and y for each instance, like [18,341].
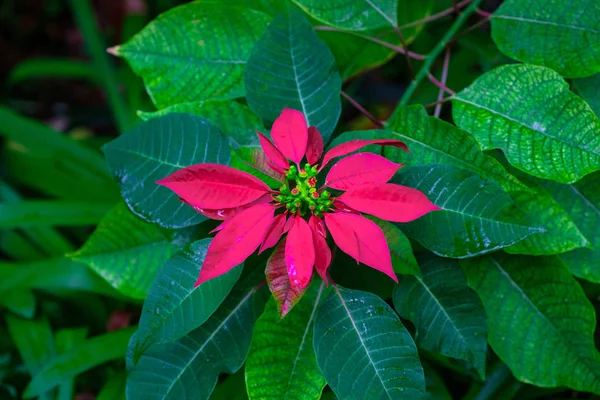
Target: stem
[435,103]
[439,15]
[84,16]
[405,47]
[438,107]
[431,57]
[469,29]
[440,84]
[362,109]
[397,49]
[484,14]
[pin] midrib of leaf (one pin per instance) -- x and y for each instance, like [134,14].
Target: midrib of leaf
[293,59]
[393,23]
[525,125]
[210,338]
[140,248]
[190,59]
[579,194]
[372,363]
[308,325]
[535,21]
[572,351]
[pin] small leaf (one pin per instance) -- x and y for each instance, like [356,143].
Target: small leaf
[156,149]
[363,349]
[286,295]
[273,233]
[536,300]
[520,26]
[272,152]
[357,144]
[403,260]
[291,67]
[353,15]
[322,251]
[282,362]
[255,162]
[529,113]
[175,306]
[448,316]
[360,169]
[194,52]
[315,146]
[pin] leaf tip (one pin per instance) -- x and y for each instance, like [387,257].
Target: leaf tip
[114,50]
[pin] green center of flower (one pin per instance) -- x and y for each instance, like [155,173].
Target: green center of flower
[300,195]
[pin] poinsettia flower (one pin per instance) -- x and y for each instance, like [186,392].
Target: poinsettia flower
[296,218]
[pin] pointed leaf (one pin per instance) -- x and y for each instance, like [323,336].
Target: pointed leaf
[273,152]
[448,316]
[353,15]
[282,362]
[362,240]
[573,51]
[278,279]
[403,260]
[363,349]
[589,89]
[357,144]
[515,293]
[190,367]
[175,306]
[155,149]
[360,169]
[255,162]
[388,201]
[273,233]
[290,134]
[291,67]
[299,254]
[195,52]
[315,146]
[214,186]
[529,113]
[239,238]
[322,251]
[477,217]
[224,214]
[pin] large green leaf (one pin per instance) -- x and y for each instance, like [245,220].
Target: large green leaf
[353,15]
[529,113]
[232,118]
[433,141]
[562,35]
[477,217]
[448,316]
[174,306]
[291,67]
[403,260]
[195,52]
[66,339]
[589,89]
[189,368]
[89,354]
[156,149]
[540,322]
[281,363]
[581,201]
[363,349]
[128,251]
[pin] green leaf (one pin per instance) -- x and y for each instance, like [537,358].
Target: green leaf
[64,340]
[61,68]
[351,14]
[477,217]
[232,388]
[156,149]
[232,118]
[174,305]
[189,368]
[448,316]
[114,389]
[557,34]
[433,141]
[128,252]
[291,67]
[89,354]
[363,349]
[403,260]
[195,52]
[254,161]
[436,388]
[589,89]
[540,322]
[581,201]
[50,212]
[282,363]
[20,302]
[529,113]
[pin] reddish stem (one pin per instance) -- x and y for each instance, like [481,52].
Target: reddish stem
[438,107]
[440,85]
[469,29]
[439,15]
[362,109]
[405,47]
[435,103]
[484,14]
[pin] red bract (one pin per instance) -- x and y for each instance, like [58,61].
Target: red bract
[248,207]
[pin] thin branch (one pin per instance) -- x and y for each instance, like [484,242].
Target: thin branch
[455,6]
[405,47]
[438,107]
[435,103]
[441,85]
[484,14]
[439,15]
[469,29]
[397,49]
[362,109]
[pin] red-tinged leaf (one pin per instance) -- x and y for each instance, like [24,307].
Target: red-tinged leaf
[314,146]
[273,233]
[288,225]
[362,240]
[238,239]
[272,152]
[388,201]
[214,186]
[278,280]
[290,134]
[360,169]
[322,250]
[356,144]
[299,253]
[226,213]
[256,158]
